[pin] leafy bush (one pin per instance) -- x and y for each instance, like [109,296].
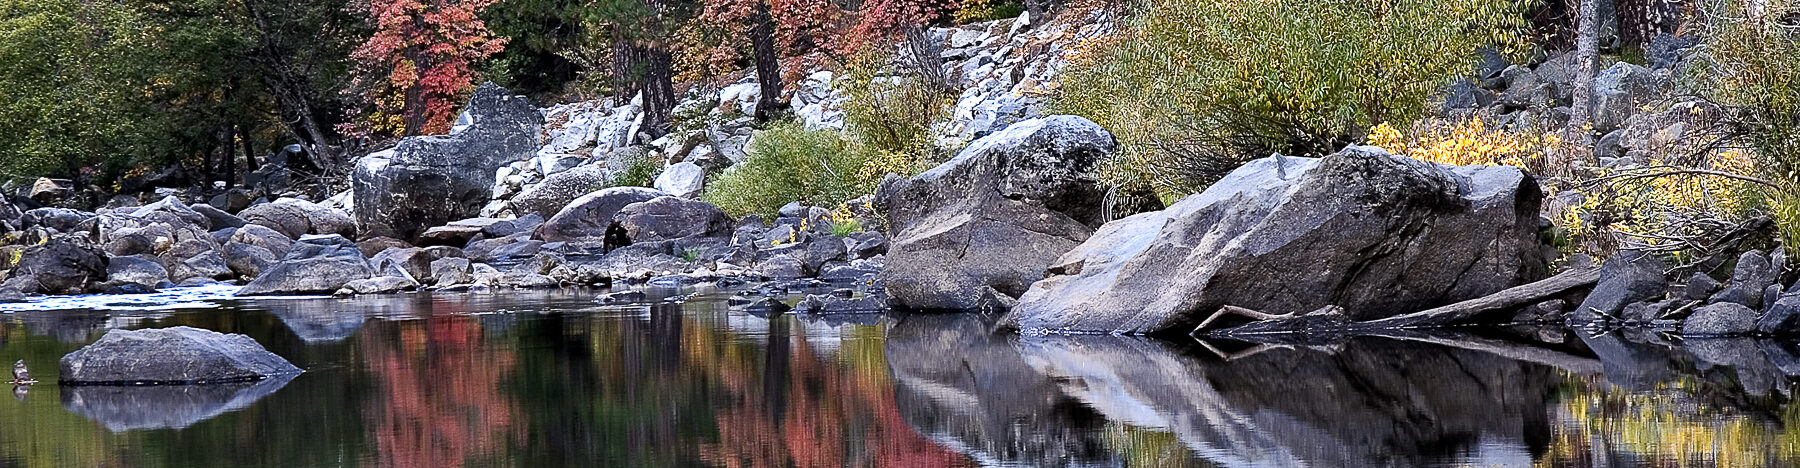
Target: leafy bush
[787,162]
[1465,143]
[1756,69]
[891,113]
[640,169]
[1196,87]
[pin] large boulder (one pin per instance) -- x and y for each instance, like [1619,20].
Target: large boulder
[178,355]
[670,218]
[1620,90]
[556,191]
[588,217]
[62,265]
[314,265]
[1365,230]
[992,218]
[427,181]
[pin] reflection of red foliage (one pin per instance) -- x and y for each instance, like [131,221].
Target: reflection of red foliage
[440,401]
[833,417]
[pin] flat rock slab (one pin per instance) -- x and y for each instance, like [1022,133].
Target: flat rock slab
[172,356]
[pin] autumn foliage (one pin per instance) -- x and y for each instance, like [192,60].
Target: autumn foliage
[417,67]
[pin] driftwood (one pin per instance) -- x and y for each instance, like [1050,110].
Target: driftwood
[1331,319]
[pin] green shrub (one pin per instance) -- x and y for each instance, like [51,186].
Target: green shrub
[1192,88]
[640,169]
[1756,70]
[787,162]
[892,113]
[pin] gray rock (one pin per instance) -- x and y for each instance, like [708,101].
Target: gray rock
[379,285]
[450,271]
[174,212]
[782,267]
[248,261]
[1721,319]
[1371,232]
[415,261]
[209,265]
[177,355]
[288,219]
[58,219]
[457,233]
[670,218]
[1782,318]
[61,265]
[427,181]
[993,217]
[1700,286]
[556,191]
[683,179]
[1626,277]
[1619,91]
[216,218]
[136,269]
[833,304]
[588,217]
[1752,274]
[263,236]
[50,192]
[315,265]
[231,201]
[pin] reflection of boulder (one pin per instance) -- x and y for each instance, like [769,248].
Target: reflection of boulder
[1632,366]
[970,390]
[1368,404]
[68,326]
[124,408]
[317,321]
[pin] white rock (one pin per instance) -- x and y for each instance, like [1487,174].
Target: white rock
[683,179]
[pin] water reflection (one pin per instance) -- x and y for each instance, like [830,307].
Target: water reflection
[548,378]
[123,408]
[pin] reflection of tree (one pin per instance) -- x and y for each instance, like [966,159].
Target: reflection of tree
[1687,421]
[439,401]
[817,411]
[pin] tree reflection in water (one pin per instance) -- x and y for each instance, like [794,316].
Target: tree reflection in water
[550,379]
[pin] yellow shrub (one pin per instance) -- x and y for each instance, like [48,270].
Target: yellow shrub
[1465,144]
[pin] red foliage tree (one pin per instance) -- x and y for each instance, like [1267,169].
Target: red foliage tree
[417,67]
[879,22]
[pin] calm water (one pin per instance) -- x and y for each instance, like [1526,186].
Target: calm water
[551,379]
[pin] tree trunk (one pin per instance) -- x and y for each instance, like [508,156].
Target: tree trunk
[230,172]
[1587,51]
[657,81]
[768,63]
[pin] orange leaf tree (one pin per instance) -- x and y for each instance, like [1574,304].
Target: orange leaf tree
[417,67]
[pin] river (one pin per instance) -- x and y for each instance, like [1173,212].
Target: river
[536,378]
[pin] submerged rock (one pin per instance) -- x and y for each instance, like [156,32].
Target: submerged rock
[315,265]
[1365,230]
[177,355]
[992,218]
[427,181]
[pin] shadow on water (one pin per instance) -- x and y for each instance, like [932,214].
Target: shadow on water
[549,378]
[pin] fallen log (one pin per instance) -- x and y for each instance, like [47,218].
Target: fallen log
[1518,296]
[1330,320]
